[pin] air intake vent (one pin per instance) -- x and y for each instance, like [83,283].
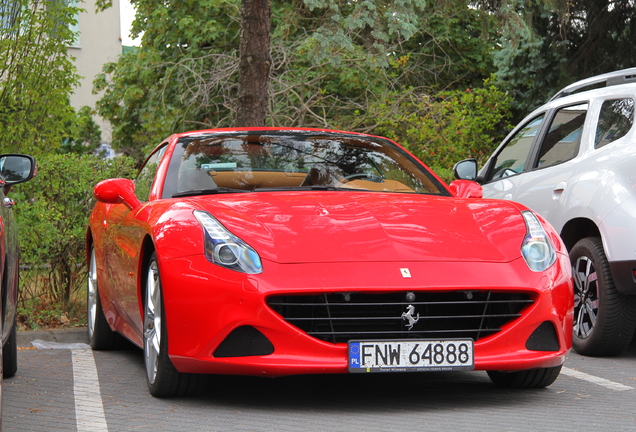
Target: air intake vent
[340,317]
[544,338]
[244,341]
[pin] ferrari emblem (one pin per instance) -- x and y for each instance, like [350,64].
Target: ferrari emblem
[408,316]
[406,273]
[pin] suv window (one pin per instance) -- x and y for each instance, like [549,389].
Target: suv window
[512,159]
[146,176]
[615,120]
[563,140]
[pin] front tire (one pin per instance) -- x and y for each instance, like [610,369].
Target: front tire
[604,319]
[525,379]
[164,380]
[100,335]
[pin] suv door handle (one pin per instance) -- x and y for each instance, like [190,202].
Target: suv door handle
[558,190]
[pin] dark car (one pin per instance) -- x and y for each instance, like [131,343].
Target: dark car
[14,169]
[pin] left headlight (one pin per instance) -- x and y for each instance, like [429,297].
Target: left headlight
[536,248]
[225,249]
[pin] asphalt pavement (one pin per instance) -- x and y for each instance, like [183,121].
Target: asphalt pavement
[101,391]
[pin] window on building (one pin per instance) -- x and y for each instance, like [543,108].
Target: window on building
[75,28]
[9,14]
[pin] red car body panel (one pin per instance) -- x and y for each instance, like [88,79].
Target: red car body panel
[319,242]
[196,338]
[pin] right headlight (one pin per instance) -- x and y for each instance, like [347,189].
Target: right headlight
[225,249]
[536,248]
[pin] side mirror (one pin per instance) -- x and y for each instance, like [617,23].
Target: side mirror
[117,191]
[466,169]
[466,189]
[17,168]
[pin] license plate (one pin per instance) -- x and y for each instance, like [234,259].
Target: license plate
[410,355]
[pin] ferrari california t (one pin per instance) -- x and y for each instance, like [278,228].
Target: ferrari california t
[278,251]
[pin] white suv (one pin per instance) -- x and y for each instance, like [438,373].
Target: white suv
[574,161]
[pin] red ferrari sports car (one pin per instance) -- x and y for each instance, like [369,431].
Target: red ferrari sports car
[279,251]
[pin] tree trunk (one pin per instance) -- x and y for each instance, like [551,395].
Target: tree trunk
[254,63]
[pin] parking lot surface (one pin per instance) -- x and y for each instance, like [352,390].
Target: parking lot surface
[76,390]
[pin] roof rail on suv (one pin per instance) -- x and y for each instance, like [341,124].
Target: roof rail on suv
[623,76]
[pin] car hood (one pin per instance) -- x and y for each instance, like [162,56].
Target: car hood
[351,227]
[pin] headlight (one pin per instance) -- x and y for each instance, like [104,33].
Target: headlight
[225,249]
[536,248]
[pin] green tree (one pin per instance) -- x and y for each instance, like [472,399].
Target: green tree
[173,82]
[549,44]
[453,48]
[254,63]
[36,74]
[331,61]
[368,30]
[83,134]
[447,127]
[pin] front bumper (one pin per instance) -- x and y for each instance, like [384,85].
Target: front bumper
[204,304]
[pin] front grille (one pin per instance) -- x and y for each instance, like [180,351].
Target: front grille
[340,317]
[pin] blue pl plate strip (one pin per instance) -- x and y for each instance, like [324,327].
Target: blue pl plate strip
[354,355]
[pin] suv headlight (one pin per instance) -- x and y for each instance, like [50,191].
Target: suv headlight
[225,249]
[536,248]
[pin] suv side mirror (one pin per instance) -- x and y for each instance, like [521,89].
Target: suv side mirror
[16,168]
[466,169]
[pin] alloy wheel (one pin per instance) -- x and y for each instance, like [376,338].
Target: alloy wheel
[586,299]
[152,322]
[92,295]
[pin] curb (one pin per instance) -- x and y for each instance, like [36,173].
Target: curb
[66,335]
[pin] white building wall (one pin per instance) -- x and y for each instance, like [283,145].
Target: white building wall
[99,42]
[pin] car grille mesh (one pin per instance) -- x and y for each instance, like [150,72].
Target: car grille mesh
[340,317]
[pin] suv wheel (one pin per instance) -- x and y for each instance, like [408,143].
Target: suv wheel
[604,319]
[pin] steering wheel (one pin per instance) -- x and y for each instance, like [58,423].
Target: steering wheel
[370,177]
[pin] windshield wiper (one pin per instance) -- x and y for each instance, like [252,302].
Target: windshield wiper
[212,191]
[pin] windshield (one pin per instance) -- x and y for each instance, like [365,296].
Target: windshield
[271,161]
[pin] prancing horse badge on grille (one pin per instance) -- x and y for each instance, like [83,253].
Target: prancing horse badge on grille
[408,316]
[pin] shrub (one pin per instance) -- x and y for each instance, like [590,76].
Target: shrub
[52,212]
[447,127]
